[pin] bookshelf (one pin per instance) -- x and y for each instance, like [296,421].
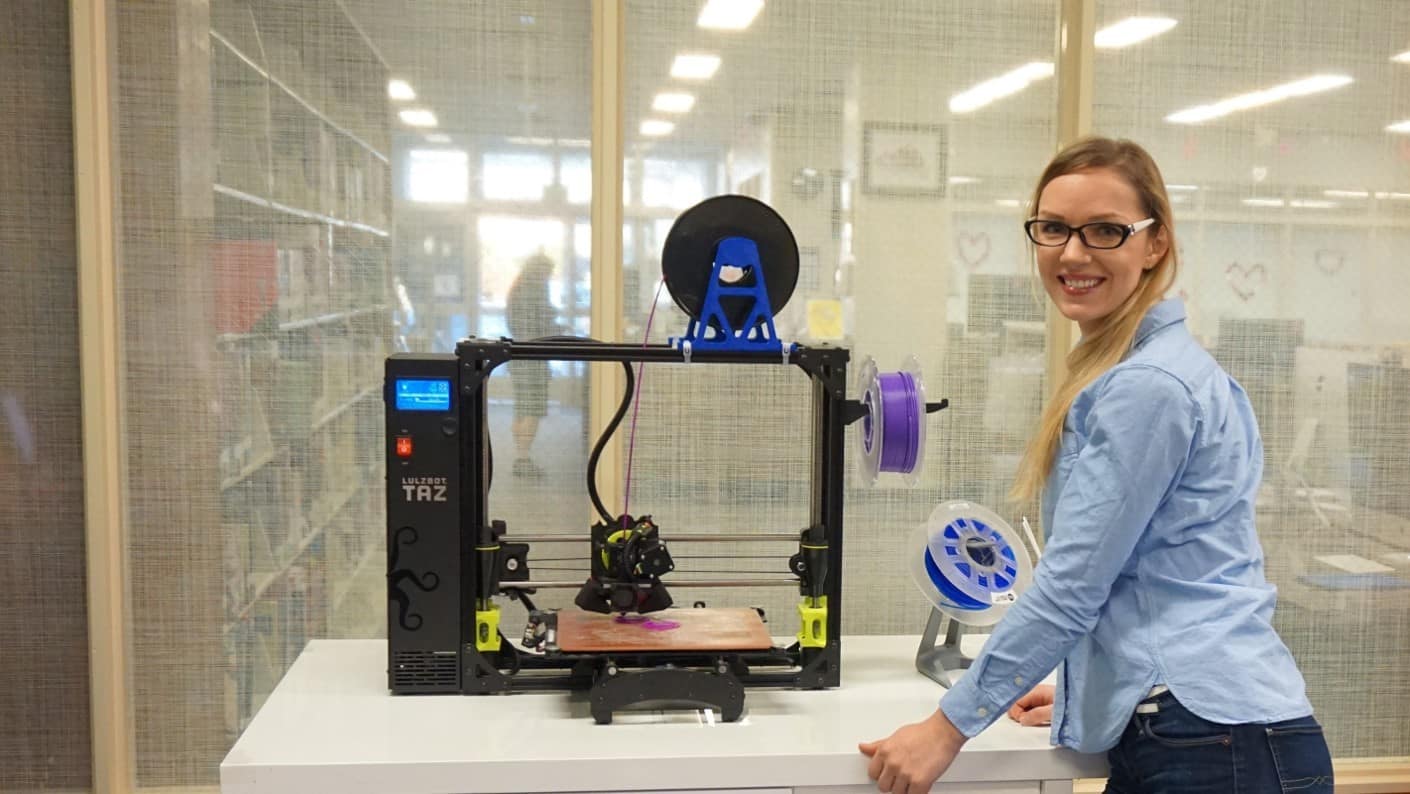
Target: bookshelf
[300,277]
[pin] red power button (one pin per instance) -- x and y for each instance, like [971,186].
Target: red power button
[403,446]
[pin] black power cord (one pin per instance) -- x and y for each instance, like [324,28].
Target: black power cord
[607,432]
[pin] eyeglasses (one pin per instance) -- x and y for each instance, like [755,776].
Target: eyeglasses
[1102,235]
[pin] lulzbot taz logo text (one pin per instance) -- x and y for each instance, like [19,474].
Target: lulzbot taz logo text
[424,489]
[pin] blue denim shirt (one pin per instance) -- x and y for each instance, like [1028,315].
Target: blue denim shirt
[1152,573]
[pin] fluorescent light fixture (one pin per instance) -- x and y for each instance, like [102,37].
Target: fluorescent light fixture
[1181,188]
[1000,87]
[400,89]
[694,66]
[1008,202]
[656,127]
[1356,194]
[438,137]
[1403,57]
[964,180]
[1399,126]
[673,103]
[1253,99]
[729,14]
[1302,204]
[536,140]
[418,118]
[1396,196]
[1132,30]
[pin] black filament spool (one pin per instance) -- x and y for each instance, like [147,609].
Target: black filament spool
[688,256]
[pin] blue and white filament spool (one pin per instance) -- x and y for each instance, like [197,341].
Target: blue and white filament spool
[892,435]
[969,563]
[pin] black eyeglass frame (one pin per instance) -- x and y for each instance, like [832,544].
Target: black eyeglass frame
[1126,231]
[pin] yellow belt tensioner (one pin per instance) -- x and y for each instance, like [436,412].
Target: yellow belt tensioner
[812,618]
[812,614]
[487,619]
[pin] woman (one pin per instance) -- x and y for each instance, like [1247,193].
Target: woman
[529,313]
[1151,587]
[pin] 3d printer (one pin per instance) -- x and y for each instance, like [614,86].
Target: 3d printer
[729,263]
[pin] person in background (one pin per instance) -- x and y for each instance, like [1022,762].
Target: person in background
[530,315]
[1150,592]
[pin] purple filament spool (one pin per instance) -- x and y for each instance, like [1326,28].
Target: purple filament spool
[900,441]
[868,426]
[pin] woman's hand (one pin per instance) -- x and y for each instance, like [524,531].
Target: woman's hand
[1036,707]
[909,760]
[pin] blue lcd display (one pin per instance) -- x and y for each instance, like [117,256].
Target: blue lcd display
[423,394]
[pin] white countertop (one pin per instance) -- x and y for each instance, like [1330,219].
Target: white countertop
[331,725]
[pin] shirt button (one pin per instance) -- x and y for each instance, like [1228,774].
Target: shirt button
[983,712]
[1018,679]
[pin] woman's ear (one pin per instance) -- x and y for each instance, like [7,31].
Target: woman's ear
[1157,247]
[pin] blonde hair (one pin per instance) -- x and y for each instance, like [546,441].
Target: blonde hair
[1104,348]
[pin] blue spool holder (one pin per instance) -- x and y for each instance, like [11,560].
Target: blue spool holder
[712,330]
[971,565]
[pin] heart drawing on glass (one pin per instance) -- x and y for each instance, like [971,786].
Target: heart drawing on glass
[973,249]
[1329,260]
[1245,280]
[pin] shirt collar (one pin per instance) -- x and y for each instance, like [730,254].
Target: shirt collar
[1162,315]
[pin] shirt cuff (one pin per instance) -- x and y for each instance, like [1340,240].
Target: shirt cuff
[968,709]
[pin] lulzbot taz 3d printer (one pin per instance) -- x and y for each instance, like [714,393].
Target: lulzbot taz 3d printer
[730,263]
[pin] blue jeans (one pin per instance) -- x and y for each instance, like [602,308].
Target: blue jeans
[1169,750]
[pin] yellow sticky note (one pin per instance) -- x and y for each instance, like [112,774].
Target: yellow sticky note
[825,318]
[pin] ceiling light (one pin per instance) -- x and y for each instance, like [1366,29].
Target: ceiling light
[438,137]
[1132,30]
[1309,85]
[1399,126]
[1397,196]
[1302,204]
[1181,188]
[695,67]
[1403,57]
[1357,194]
[418,118]
[999,87]
[729,14]
[1008,202]
[964,180]
[657,128]
[400,89]
[673,103]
